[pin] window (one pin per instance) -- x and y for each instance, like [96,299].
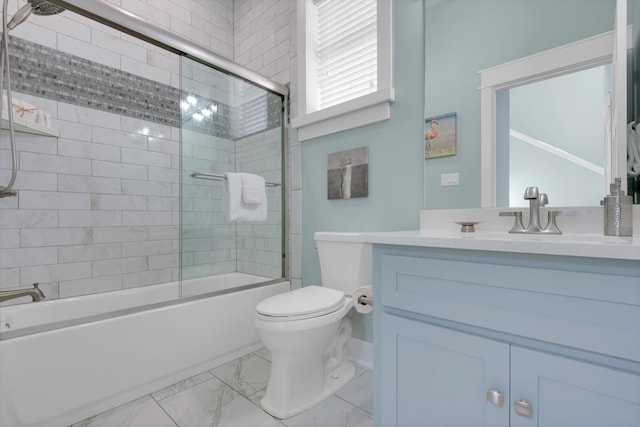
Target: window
[344,70]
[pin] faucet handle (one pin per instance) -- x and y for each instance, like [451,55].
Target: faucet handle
[552,227]
[531,193]
[543,199]
[518,227]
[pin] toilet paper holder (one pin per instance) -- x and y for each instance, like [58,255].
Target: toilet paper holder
[365,300]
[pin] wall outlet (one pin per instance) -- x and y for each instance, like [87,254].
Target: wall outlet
[447,179]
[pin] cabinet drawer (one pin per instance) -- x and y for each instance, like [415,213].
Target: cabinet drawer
[586,307]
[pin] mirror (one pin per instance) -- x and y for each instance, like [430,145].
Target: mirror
[465,37]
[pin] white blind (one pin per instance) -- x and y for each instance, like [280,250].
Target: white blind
[346,49]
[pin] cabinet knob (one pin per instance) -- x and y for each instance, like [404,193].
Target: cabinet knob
[523,408]
[494,397]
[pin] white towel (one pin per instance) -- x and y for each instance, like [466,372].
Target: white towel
[234,205]
[253,188]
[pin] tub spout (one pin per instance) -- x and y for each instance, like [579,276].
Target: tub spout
[36,293]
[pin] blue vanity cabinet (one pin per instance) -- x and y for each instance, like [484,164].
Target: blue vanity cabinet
[474,338]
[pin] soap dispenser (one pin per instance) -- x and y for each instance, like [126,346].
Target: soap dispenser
[617,211]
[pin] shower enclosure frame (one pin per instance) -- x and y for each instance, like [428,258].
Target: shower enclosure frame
[127,22]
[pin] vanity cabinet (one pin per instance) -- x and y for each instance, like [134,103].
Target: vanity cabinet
[474,338]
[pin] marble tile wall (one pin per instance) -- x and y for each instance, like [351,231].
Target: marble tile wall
[98,207]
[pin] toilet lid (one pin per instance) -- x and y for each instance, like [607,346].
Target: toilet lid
[310,301]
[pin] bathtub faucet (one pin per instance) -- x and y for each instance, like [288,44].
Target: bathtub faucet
[36,293]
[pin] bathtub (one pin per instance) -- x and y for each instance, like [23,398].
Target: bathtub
[64,360]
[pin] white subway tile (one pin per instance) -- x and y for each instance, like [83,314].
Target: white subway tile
[85,50]
[55,236]
[35,181]
[118,170]
[166,146]
[28,218]
[9,239]
[146,188]
[61,24]
[70,288]
[52,273]
[118,202]
[54,164]
[146,218]
[120,234]
[164,175]
[72,130]
[118,138]
[114,43]
[89,252]
[88,150]
[119,266]
[140,157]
[192,33]
[88,116]
[163,61]
[35,33]
[164,232]
[164,261]
[9,278]
[71,218]
[145,70]
[31,143]
[155,247]
[50,200]
[155,15]
[145,278]
[145,128]
[164,203]
[88,184]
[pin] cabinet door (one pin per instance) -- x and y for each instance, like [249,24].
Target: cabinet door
[564,392]
[433,376]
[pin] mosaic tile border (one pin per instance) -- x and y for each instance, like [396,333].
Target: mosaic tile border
[48,73]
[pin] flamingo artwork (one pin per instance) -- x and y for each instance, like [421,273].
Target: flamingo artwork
[432,132]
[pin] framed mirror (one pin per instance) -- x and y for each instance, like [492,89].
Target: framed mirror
[468,46]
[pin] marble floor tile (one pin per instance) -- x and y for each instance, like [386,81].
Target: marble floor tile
[359,391]
[264,353]
[332,412]
[181,386]
[141,412]
[213,403]
[247,374]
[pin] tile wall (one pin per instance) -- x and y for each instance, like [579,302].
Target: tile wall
[98,207]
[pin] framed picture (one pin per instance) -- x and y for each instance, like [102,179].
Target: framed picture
[440,136]
[348,174]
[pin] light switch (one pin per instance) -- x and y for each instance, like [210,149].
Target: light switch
[449,179]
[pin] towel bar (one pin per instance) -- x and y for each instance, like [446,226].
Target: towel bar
[220,177]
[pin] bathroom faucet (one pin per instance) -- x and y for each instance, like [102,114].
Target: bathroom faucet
[36,293]
[536,201]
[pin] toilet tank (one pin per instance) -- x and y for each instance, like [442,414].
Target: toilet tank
[345,265]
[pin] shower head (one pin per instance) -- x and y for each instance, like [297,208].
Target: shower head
[38,7]
[45,8]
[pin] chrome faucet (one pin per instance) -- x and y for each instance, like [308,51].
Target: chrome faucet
[536,201]
[36,293]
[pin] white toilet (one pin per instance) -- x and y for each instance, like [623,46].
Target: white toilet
[307,331]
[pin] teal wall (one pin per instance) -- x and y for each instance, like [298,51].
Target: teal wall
[401,183]
[466,36]
[395,159]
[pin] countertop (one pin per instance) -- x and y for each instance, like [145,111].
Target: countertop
[579,245]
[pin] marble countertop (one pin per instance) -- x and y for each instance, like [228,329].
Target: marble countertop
[582,227]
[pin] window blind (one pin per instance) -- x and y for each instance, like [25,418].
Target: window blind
[346,50]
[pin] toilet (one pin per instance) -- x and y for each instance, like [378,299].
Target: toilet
[307,331]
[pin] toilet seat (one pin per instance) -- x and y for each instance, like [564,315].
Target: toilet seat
[303,303]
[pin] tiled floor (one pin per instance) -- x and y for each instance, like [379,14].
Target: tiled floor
[228,396]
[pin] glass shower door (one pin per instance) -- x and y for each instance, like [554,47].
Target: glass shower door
[227,125]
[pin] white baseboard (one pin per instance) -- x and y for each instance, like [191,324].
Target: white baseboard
[361,352]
